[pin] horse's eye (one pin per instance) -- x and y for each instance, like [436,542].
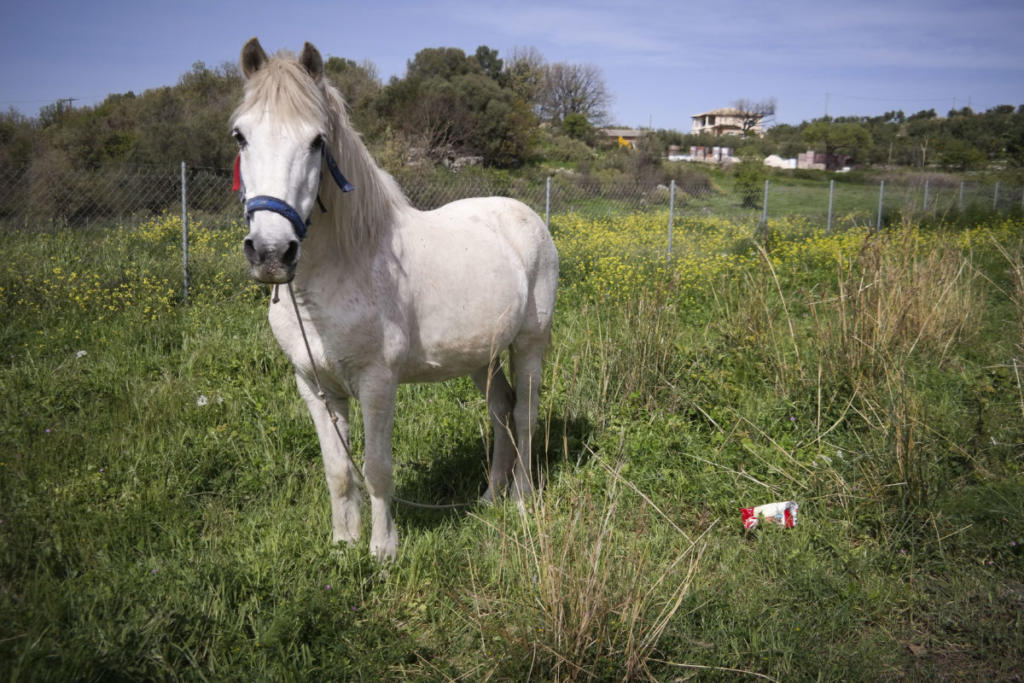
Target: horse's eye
[239,138]
[317,144]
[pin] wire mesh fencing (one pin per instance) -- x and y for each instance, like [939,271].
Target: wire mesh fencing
[50,195]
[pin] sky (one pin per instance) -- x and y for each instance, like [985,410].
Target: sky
[662,61]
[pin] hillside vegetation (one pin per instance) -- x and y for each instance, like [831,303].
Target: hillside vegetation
[511,111]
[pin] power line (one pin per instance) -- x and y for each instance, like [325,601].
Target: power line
[895,99]
[54,100]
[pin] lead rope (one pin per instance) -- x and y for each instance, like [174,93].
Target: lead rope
[334,418]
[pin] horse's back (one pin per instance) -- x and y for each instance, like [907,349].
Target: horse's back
[510,220]
[521,233]
[483,274]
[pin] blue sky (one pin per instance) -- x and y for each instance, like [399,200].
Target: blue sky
[662,61]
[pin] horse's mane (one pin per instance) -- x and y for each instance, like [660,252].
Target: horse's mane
[284,86]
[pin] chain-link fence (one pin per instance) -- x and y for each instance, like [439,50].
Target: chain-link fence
[47,197]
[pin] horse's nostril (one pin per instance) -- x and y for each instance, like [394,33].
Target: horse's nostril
[249,249]
[291,254]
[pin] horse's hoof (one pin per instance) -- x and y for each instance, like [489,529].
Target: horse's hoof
[385,555]
[346,537]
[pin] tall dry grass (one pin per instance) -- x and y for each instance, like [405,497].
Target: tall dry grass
[898,307]
[861,344]
[896,300]
[581,583]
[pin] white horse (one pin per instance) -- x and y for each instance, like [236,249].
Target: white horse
[386,293]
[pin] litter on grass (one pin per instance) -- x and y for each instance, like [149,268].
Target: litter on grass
[783,514]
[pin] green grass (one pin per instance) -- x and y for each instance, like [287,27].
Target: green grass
[163,512]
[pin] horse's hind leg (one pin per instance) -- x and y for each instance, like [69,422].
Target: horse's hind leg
[495,387]
[527,360]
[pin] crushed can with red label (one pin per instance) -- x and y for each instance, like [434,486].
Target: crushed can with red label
[783,514]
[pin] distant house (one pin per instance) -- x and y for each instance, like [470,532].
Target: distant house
[708,155]
[712,155]
[727,121]
[626,137]
[811,160]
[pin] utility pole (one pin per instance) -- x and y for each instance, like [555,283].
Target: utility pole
[63,106]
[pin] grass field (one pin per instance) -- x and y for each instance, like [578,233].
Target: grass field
[163,513]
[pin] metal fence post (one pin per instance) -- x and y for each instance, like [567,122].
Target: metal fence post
[547,203]
[924,207]
[831,194]
[995,197]
[960,198]
[763,225]
[881,196]
[671,212]
[184,231]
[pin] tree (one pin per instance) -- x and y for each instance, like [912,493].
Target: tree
[750,177]
[961,156]
[752,113]
[785,140]
[574,89]
[360,87]
[440,62]
[923,115]
[429,116]
[421,107]
[924,129]
[524,74]
[186,122]
[450,103]
[577,127]
[488,61]
[1015,139]
[16,140]
[839,141]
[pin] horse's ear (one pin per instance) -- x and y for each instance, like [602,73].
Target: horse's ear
[311,60]
[253,57]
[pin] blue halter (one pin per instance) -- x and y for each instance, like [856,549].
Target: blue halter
[279,206]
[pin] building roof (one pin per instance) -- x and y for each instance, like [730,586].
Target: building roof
[622,132]
[725,111]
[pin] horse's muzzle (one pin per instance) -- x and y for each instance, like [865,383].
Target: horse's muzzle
[271,263]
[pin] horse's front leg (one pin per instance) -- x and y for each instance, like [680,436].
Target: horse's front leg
[377,398]
[338,467]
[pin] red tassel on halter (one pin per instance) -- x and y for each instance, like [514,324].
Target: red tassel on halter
[237,184]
